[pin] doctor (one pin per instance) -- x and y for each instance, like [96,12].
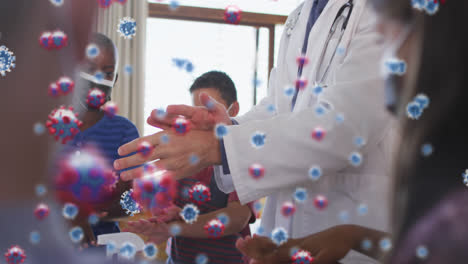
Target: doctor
[328,135]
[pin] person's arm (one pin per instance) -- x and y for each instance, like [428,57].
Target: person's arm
[239,216]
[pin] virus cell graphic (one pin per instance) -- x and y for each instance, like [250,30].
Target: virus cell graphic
[7,60]
[189,213]
[145,148]
[41,211]
[173,5]
[70,211]
[302,257]
[59,39]
[76,234]
[419,4]
[422,252]
[160,113]
[362,209]
[175,230]
[105,3]
[258,139]
[54,90]
[315,172]
[34,237]
[422,100]
[122,2]
[289,91]
[317,89]
[260,231]
[110,109]
[194,159]
[288,209]
[339,118]
[96,98]
[214,228]
[320,110]
[127,27]
[99,76]
[344,216]
[38,129]
[355,158]
[41,190]
[201,259]
[93,219]
[181,126]
[302,60]
[232,14]
[256,170]
[318,133]
[127,251]
[92,51]
[57,2]
[432,6]
[359,142]
[221,130]
[300,195]
[271,108]
[321,202]
[63,124]
[427,150]
[15,255]
[279,236]
[258,206]
[385,244]
[366,244]
[200,194]
[45,40]
[128,69]
[395,66]
[128,204]
[224,218]
[156,189]
[414,110]
[150,251]
[465,177]
[301,84]
[85,179]
[111,248]
[65,85]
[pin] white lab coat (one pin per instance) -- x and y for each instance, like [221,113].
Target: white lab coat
[355,89]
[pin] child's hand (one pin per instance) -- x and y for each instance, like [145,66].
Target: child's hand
[166,215]
[156,232]
[257,247]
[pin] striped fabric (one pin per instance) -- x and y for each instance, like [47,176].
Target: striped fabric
[222,250]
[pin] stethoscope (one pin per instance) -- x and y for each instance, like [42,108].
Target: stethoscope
[349,5]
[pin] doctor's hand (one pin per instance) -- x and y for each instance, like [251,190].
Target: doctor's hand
[204,118]
[183,155]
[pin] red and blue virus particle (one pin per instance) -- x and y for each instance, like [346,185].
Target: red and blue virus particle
[189,213]
[200,194]
[258,139]
[65,85]
[395,66]
[257,171]
[76,234]
[300,195]
[145,149]
[92,51]
[15,255]
[224,218]
[279,236]
[34,237]
[355,158]
[53,40]
[181,126]
[105,3]
[414,110]
[301,84]
[63,124]
[85,179]
[45,40]
[54,90]
[122,2]
[110,109]
[318,134]
[7,60]
[41,211]
[154,190]
[232,14]
[302,257]
[214,228]
[96,98]
[221,130]
[302,61]
[288,209]
[150,251]
[422,252]
[315,172]
[70,211]
[321,202]
[57,2]
[127,27]
[432,6]
[201,259]
[129,204]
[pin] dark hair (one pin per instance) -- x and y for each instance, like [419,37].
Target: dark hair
[219,81]
[104,42]
[421,182]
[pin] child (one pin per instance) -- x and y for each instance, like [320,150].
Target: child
[193,240]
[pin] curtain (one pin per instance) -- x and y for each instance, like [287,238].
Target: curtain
[128,92]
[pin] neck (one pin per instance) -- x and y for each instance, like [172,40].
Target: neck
[90,118]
